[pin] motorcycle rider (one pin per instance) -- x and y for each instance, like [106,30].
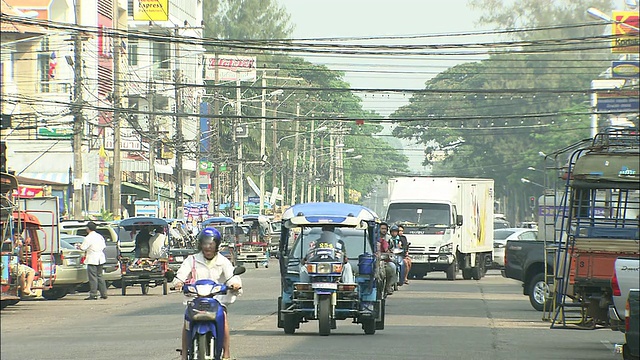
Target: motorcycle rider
[399,242]
[207,263]
[389,267]
[405,254]
[328,236]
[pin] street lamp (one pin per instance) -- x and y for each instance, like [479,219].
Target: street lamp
[322,128]
[527,181]
[597,14]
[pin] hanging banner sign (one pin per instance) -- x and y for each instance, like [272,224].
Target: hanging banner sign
[230,68]
[625,69]
[151,10]
[625,33]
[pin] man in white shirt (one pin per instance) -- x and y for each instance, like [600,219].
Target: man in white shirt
[94,246]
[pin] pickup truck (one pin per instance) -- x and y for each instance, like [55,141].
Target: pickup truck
[631,349]
[625,278]
[524,261]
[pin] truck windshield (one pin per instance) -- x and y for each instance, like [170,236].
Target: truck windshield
[419,214]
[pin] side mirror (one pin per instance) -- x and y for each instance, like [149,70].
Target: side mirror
[459,220]
[239,270]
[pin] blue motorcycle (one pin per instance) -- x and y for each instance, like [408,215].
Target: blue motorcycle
[206,316]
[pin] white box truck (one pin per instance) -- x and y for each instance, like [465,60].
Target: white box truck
[448,222]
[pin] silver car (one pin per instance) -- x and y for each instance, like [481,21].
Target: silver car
[70,273]
[500,237]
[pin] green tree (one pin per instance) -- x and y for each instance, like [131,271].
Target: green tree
[491,118]
[246,20]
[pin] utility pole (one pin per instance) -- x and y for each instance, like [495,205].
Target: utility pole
[263,130]
[332,196]
[295,155]
[310,173]
[153,143]
[78,121]
[216,183]
[117,99]
[179,140]
[303,187]
[240,164]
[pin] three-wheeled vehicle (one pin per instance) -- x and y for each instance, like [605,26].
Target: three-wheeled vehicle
[331,237]
[255,248]
[145,270]
[10,293]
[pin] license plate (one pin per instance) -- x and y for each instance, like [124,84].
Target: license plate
[418,257]
[332,286]
[179,258]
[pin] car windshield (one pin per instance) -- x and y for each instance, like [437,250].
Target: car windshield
[424,214]
[502,234]
[353,239]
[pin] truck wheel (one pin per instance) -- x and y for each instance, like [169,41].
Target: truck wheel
[466,273]
[452,271]
[538,292]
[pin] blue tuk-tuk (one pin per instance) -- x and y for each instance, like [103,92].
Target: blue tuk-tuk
[328,267]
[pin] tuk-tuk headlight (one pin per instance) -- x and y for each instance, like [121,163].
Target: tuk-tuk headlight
[322,268]
[337,268]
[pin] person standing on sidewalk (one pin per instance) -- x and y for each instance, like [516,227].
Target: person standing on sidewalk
[94,246]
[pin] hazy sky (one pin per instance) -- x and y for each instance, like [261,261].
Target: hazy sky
[345,18]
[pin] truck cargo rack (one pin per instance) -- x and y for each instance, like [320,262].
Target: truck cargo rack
[595,207]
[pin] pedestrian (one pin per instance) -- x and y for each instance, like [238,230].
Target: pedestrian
[94,246]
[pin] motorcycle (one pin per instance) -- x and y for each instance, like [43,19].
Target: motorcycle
[206,316]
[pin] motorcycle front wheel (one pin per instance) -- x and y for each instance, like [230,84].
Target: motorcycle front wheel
[203,347]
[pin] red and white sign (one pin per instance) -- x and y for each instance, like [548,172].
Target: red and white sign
[30,191]
[230,68]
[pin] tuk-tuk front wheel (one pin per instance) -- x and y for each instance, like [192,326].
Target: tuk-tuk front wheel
[369,326]
[289,323]
[324,315]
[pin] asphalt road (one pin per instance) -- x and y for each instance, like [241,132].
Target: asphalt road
[428,319]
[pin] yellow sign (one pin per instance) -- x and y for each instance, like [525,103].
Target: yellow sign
[626,38]
[151,10]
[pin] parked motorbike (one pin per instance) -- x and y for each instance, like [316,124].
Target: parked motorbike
[206,316]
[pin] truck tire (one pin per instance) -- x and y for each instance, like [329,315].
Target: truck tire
[466,273]
[538,292]
[452,271]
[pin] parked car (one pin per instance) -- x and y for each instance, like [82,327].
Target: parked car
[500,237]
[69,275]
[112,274]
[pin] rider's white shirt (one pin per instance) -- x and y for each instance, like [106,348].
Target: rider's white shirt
[219,270]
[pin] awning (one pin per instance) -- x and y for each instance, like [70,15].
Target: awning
[50,177]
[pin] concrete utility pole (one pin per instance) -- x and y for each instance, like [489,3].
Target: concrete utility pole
[153,143]
[332,196]
[240,164]
[311,160]
[295,155]
[263,130]
[179,140]
[216,183]
[78,121]
[117,172]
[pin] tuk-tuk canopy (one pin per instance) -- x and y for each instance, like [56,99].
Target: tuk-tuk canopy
[327,213]
[217,220]
[143,221]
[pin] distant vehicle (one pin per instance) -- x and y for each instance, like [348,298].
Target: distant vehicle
[70,274]
[528,225]
[524,260]
[500,224]
[448,221]
[78,230]
[500,237]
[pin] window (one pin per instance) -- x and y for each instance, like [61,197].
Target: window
[132,51]
[161,55]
